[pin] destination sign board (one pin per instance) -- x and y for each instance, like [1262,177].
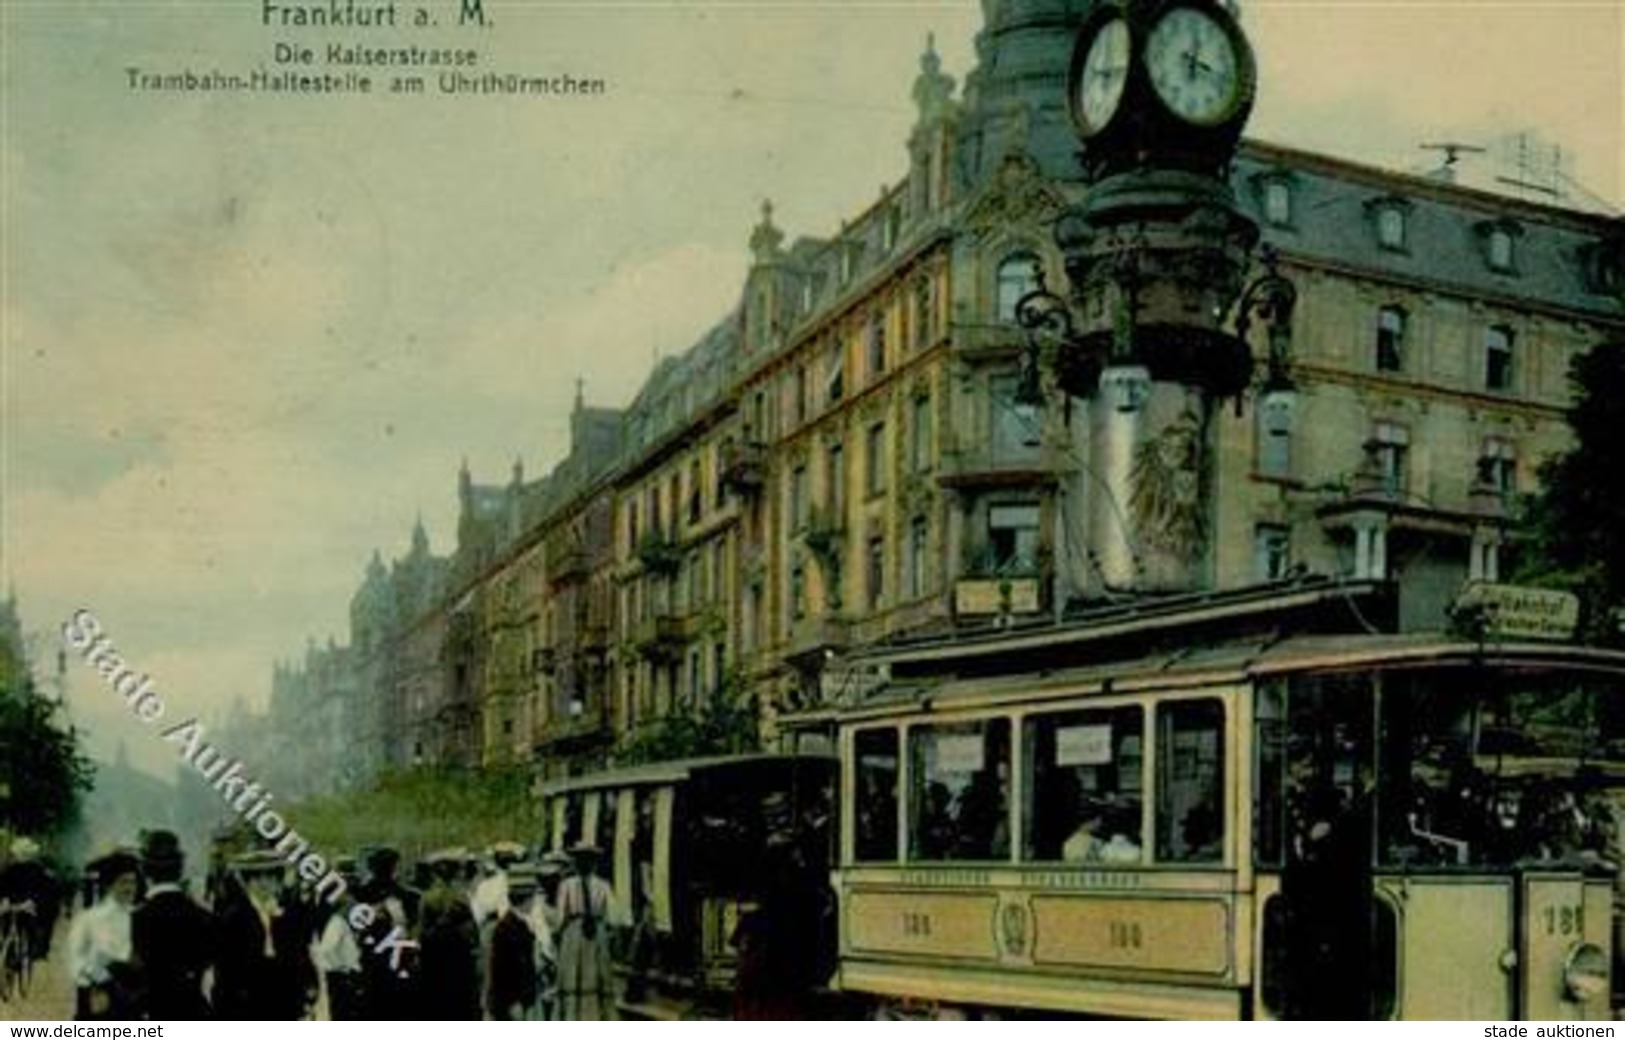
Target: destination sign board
[1518,611]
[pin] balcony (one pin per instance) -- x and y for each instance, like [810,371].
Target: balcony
[568,564]
[660,638]
[816,638]
[1001,596]
[588,725]
[544,660]
[980,465]
[744,466]
[660,555]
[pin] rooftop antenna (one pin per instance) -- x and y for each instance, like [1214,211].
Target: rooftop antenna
[1453,151]
[1538,168]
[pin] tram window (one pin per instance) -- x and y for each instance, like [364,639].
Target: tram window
[608,808]
[875,805]
[1269,774]
[1492,768]
[574,811]
[1083,794]
[959,796]
[643,852]
[1190,782]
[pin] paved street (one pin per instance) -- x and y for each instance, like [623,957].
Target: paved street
[50,998]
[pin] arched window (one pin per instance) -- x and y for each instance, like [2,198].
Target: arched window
[1018,276]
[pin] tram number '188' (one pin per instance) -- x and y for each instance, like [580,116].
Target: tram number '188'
[1123,935]
[1564,920]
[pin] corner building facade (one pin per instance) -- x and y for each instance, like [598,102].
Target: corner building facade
[850,458]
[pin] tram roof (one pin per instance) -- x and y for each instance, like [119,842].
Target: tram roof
[655,773]
[1206,665]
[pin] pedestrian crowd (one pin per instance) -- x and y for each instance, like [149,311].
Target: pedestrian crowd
[507,934]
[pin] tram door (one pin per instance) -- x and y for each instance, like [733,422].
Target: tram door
[1318,919]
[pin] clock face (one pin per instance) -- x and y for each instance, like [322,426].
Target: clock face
[1193,66]
[1105,70]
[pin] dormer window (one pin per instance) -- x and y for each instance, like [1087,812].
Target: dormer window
[1603,266]
[1391,225]
[1018,276]
[1500,240]
[1278,202]
[1500,249]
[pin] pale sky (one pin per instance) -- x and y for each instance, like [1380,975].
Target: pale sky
[248,338]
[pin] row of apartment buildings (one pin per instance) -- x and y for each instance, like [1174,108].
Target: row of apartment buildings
[847,458]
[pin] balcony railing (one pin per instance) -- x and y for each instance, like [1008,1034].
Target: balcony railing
[569,564]
[970,465]
[660,637]
[744,466]
[982,597]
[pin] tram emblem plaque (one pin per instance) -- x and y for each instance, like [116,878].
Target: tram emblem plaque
[1516,612]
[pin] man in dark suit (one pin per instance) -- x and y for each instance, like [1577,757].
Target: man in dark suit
[171,934]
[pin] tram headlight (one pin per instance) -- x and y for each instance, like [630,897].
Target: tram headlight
[1585,972]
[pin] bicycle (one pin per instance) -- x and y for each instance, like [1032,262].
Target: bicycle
[16,950]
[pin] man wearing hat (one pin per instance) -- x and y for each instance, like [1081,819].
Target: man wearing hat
[389,970]
[99,948]
[521,952]
[171,934]
[587,910]
[450,943]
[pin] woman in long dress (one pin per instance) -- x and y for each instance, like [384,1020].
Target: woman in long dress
[588,911]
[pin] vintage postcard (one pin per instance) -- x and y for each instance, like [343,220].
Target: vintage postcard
[516,509]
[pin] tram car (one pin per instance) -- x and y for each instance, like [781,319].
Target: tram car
[1326,826]
[692,848]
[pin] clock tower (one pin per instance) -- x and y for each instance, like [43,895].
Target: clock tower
[1156,254]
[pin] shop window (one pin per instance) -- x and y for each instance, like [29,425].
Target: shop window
[874,810]
[1190,782]
[959,797]
[1084,786]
